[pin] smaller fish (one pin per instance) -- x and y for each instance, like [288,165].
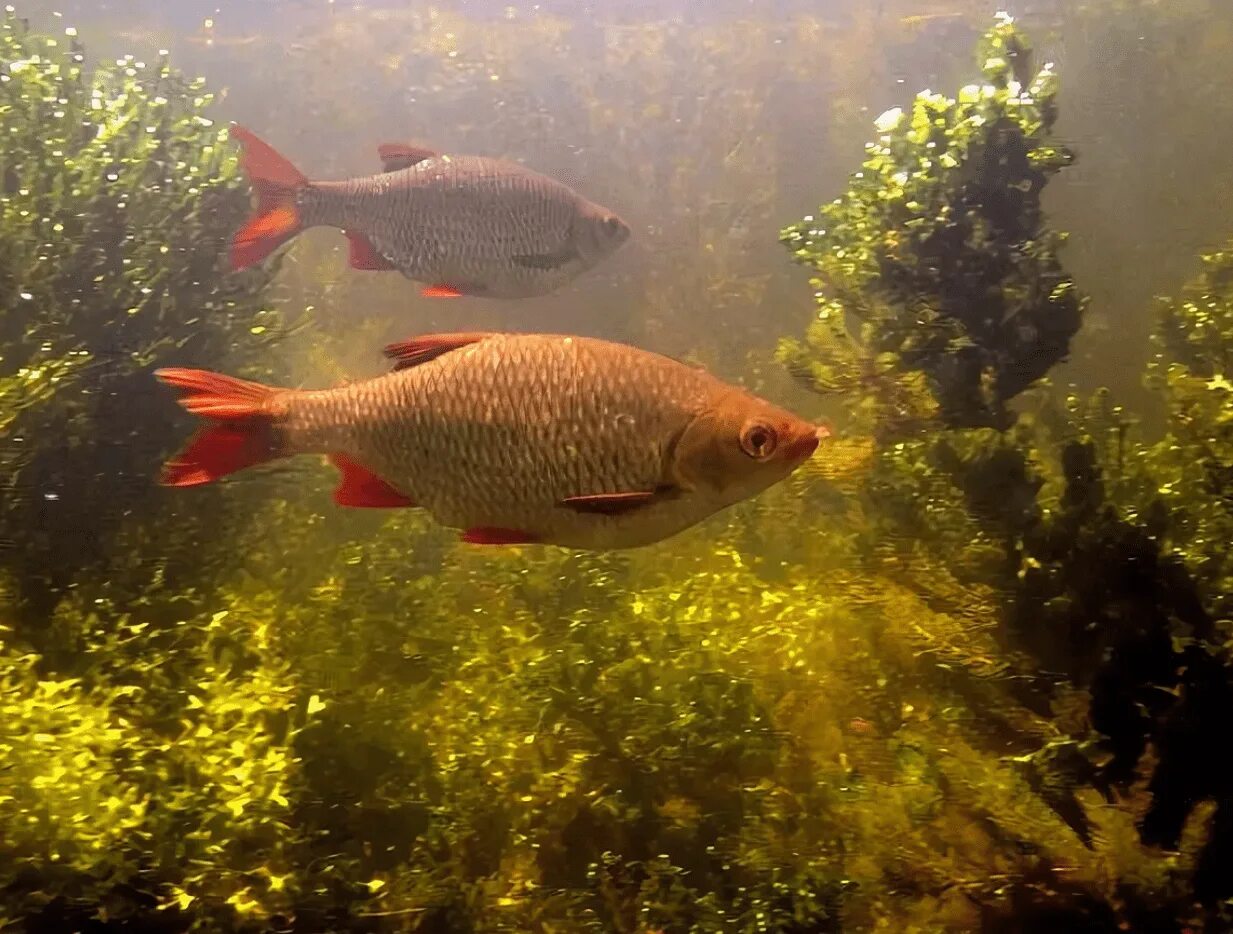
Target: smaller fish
[861,727]
[462,225]
[512,438]
[925,18]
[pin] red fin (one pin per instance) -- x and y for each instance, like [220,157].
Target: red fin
[395,156]
[222,398]
[361,488]
[609,504]
[441,291]
[417,350]
[276,182]
[364,255]
[220,450]
[484,535]
[245,437]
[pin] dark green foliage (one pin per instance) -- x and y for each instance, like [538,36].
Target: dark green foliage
[117,195]
[1100,603]
[1091,599]
[1193,369]
[1193,466]
[939,250]
[942,254]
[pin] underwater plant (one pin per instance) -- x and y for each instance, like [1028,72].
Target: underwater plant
[1192,467]
[154,780]
[117,194]
[939,254]
[1193,371]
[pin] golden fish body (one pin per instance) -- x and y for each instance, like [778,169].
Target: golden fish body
[554,439]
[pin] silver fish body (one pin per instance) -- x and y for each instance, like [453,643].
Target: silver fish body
[479,226]
[462,225]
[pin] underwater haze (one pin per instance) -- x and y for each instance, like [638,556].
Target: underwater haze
[735,466]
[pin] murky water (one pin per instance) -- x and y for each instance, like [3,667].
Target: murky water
[962,668]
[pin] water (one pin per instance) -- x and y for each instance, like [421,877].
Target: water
[964,670]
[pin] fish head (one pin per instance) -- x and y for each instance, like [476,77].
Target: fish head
[597,233]
[740,445]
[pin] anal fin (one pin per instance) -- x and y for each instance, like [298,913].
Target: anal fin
[361,488]
[487,535]
[440,291]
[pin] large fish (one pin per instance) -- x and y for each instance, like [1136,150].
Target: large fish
[513,438]
[462,225]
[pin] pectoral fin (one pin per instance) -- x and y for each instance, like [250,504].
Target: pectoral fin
[613,504]
[561,257]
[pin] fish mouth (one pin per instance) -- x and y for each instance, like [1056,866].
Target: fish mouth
[804,446]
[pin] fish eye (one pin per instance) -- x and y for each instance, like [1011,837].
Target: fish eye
[613,224]
[758,441]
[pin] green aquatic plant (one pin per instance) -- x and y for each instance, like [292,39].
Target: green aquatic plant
[1191,468]
[156,779]
[1193,370]
[1045,551]
[1050,520]
[939,254]
[117,194]
[683,739]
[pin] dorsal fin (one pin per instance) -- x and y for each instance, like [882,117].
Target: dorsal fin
[395,156]
[417,350]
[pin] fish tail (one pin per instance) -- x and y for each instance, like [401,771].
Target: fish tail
[243,429]
[277,183]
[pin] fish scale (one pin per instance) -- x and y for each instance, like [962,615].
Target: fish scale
[508,421]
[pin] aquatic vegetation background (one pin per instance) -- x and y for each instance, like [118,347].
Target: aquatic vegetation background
[117,193]
[968,673]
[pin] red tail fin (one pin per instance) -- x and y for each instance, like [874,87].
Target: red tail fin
[244,435]
[276,182]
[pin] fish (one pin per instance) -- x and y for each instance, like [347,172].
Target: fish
[460,225]
[923,19]
[512,438]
